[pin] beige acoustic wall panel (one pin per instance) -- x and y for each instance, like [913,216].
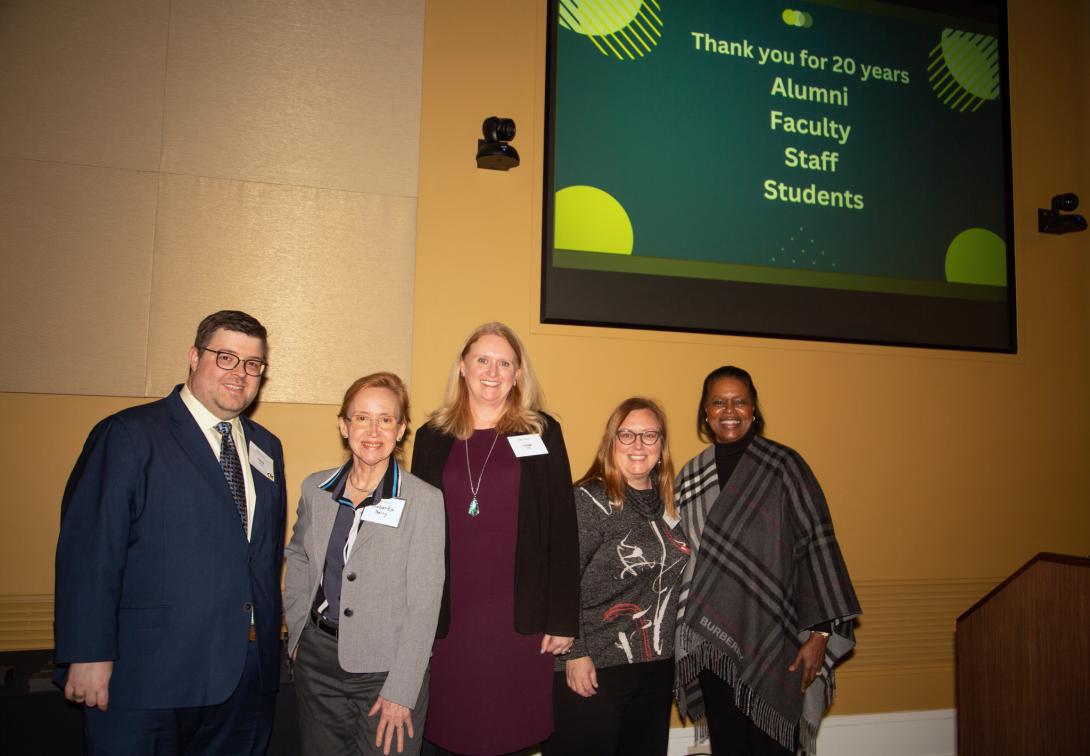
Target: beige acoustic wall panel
[83,82]
[329,273]
[283,138]
[77,245]
[283,91]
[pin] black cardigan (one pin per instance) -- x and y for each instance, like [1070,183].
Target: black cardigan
[547,546]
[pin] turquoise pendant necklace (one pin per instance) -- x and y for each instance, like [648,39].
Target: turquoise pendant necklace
[474,507]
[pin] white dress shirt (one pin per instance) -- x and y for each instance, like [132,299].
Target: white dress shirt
[207,422]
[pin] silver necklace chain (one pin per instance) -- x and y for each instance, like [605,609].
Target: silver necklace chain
[474,506]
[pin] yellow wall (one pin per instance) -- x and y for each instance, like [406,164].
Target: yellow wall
[944,470]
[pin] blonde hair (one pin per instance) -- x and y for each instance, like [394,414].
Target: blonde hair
[522,411]
[392,383]
[605,470]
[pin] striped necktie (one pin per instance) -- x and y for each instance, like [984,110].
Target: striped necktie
[232,470]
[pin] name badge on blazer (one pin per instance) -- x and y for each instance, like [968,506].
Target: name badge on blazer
[529,445]
[386,512]
[261,461]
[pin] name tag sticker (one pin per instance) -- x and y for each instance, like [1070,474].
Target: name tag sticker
[529,445]
[261,461]
[386,512]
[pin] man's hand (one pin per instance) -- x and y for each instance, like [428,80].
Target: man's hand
[89,683]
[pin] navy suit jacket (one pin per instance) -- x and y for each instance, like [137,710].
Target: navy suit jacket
[154,571]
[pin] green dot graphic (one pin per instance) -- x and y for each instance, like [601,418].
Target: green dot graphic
[977,256]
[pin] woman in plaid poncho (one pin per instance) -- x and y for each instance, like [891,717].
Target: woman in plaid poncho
[766,607]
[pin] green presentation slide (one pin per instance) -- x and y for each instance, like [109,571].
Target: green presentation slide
[853,146]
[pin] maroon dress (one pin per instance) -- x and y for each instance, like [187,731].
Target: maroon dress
[491,688]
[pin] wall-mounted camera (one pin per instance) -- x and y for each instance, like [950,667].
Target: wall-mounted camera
[494,152]
[1060,219]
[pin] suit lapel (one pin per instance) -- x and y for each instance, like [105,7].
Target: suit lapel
[264,489]
[195,445]
[368,530]
[366,533]
[323,514]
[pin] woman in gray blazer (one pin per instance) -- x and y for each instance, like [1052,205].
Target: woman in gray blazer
[363,584]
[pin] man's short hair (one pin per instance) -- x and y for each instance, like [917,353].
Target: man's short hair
[231,320]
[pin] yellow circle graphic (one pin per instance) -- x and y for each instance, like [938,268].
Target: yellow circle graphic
[977,256]
[798,18]
[964,69]
[598,16]
[623,29]
[591,220]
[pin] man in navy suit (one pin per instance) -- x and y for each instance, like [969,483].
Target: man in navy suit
[168,563]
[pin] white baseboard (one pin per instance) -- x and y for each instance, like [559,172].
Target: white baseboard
[901,733]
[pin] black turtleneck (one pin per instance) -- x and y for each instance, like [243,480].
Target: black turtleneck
[728,454]
[646,503]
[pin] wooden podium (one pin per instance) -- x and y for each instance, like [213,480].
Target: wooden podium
[1023,663]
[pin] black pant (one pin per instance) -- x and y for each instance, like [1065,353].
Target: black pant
[732,732]
[629,715]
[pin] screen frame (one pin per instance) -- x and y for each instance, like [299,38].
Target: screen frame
[692,307]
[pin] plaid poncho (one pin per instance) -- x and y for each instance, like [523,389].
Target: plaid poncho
[765,567]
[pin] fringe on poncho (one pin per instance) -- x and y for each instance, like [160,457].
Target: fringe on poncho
[765,568]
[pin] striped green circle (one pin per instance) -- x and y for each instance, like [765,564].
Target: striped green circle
[973,61]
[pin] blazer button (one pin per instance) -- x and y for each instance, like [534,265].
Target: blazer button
[348,611]
[247,607]
[350,576]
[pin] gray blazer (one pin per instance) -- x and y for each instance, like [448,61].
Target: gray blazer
[395,594]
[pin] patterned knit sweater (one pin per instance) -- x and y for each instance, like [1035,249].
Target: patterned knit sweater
[631,560]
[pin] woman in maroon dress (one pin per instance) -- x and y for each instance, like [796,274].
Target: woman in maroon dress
[511,598]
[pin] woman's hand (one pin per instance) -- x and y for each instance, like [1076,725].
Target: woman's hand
[556,644]
[395,717]
[582,676]
[810,658]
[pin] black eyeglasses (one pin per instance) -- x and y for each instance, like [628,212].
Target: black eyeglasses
[649,437]
[230,360]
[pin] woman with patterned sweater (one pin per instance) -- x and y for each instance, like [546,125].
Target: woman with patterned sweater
[612,693]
